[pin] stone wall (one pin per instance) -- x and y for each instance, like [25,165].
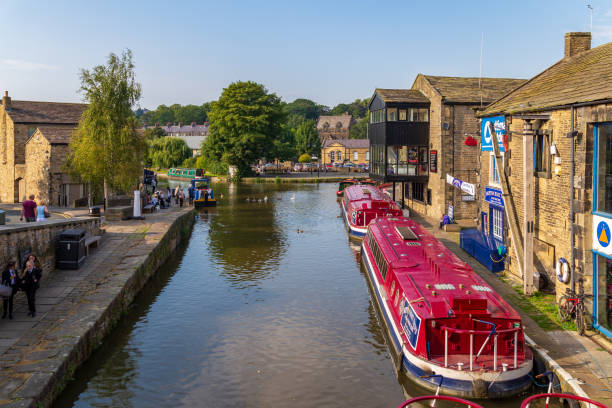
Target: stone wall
[7,158]
[38,153]
[40,238]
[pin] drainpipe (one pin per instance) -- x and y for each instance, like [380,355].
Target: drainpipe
[571,213]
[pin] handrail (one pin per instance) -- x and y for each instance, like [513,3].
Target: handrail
[526,402]
[438,397]
[468,331]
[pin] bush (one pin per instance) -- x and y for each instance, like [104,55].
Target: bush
[304,158]
[189,163]
[168,152]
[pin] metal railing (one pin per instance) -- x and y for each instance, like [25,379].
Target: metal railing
[493,333]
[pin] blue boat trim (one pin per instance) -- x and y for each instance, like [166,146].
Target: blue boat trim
[352,231]
[462,387]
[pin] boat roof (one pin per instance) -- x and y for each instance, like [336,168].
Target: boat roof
[364,192]
[426,269]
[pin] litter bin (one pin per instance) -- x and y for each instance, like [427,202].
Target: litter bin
[94,211]
[2,217]
[71,249]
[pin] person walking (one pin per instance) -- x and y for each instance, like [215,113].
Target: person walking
[28,210]
[42,212]
[190,192]
[181,197]
[176,194]
[30,282]
[9,278]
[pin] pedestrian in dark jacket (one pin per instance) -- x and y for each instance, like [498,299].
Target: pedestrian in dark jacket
[9,278]
[30,282]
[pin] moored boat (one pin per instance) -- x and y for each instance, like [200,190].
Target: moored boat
[176,173]
[447,325]
[203,194]
[363,203]
[344,184]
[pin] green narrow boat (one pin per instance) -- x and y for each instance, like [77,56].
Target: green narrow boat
[177,173]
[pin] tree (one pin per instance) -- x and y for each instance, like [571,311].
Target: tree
[243,124]
[106,147]
[153,133]
[284,144]
[304,158]
[307,139]
[305,108]
[168,152]
[190,113]
[360,129]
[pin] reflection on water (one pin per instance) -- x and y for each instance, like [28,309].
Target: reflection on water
[265,307]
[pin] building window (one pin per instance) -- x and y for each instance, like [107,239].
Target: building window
[604,168]
[377,116]
[493,171]
[497,220]
[355,156]
[367,156]
[541,146]
[402,114]
[391,114]
[419,115]
[339,155]
[418,190]
[429,196]
[331,156]
[603,303]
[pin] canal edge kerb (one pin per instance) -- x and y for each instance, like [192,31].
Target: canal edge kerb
[95,330]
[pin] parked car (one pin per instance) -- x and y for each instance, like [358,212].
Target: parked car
[298,167]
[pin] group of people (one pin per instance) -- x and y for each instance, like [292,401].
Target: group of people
[178,195]
[28,281]
[32,211]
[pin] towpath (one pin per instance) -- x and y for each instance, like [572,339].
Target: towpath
[585,362]
[38,354]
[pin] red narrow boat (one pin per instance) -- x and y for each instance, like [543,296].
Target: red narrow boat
[442,318]
[344,184]
[361,204]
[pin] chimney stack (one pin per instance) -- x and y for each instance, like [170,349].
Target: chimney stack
[6,101]
[576,43]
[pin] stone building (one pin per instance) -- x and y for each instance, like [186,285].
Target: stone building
[334,127]
[33,147]
[555,142]
[353,150]
[453,133]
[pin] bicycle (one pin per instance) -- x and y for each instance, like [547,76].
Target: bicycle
[571,306]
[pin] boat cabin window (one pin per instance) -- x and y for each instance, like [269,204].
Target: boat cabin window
[396,298]
[379,259]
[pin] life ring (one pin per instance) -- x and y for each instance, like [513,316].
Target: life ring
[563,273]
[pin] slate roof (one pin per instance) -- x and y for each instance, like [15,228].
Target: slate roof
[57,134]
[193,142]
[45,112]
[401,95]
[349,143]
[185,129]
[345,120]
[584,77]
[467,90]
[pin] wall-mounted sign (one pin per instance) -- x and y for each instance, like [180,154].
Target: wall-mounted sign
[468,198]
[451,212]
[602,235]
[494,196]
[499,125]
[468,188]
[433,161]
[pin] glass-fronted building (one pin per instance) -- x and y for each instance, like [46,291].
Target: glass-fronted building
[399,136]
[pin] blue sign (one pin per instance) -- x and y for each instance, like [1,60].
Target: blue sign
[494,196]
[498,123]
[603,234]
[411,323]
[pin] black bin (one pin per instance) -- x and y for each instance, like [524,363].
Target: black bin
[71,249]
[94,211]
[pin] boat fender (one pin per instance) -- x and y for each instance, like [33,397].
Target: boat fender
[563,270]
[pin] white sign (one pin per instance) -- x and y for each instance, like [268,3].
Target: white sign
[601,235]
[461,185]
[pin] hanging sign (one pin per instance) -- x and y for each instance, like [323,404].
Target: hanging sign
[499,125]
[602,235]
[494,196]
[411,323]
[433,161]
[468,188]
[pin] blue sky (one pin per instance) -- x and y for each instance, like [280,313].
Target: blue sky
[327,51]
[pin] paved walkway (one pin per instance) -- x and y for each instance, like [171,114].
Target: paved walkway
[586,360]
[33,349]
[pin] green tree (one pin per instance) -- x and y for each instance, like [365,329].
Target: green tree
[305,108]
[153,133]
[307,139]
[360,129]
[304,158]
[168,152]
[284,144]
[107,148]
[190,113]
[243,125]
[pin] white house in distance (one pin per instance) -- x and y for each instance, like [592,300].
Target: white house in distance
[192,134]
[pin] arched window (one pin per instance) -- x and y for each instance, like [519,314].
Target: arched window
[355,156]
[331,156]
[339,155]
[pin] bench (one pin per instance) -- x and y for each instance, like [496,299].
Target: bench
[91,242]
[148,208]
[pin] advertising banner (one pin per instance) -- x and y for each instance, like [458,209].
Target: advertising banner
[499,125]
[494,196]
[468,188]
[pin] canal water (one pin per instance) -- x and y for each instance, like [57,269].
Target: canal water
[265,306]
